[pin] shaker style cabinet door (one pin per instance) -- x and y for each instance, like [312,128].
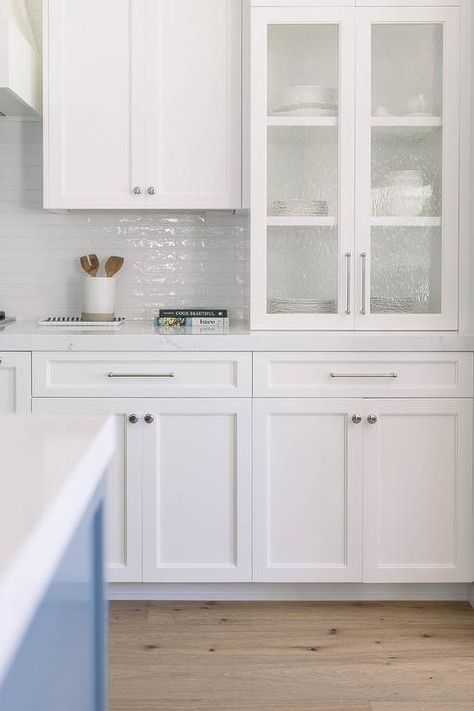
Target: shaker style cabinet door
[407,177]
[193,104]
[302,194]
[124,485]
[307,490]
[197,524]
[418,491]
[93,106]
[15,383]
[142,104]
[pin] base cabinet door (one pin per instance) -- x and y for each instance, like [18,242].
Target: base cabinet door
[418,491]
[123,500]
[307,490]
[197,491]
[15,383]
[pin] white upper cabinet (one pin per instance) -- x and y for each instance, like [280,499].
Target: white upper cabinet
[93,137]
[193,104]
[355,167]
[407,179]
[302,194]
[142,104]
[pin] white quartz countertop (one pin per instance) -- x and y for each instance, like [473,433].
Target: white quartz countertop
[143,336]
[51,468]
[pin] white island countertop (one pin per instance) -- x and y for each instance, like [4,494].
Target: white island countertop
[51,468]
[143,336]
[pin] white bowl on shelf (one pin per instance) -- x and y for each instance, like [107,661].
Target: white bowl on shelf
[408,178]
[401,200]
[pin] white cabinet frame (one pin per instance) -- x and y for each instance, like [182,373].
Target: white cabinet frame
[450,19]
[261,19]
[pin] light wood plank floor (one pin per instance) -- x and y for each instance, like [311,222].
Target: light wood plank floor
[291,656]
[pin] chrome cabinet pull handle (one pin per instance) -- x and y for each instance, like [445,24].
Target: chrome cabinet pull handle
[363,257]
[137,190]
[151,190]
[149,419]
[133,419]
[363,375]
[357,419]
[141,375]
[372,419]
[348,282]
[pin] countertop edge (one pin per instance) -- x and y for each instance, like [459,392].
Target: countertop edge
[141,336]
[30,572]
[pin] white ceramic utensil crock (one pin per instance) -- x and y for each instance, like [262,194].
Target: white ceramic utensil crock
[98,298]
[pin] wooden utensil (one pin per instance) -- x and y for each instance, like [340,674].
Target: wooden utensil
[113,265]
[90,264]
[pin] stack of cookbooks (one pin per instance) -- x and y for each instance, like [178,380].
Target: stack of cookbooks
[194,320]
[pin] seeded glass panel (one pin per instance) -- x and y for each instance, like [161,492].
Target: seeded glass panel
[302,166]
[406,270]
[303,56]
[302,270]
[407,69]
[406,171]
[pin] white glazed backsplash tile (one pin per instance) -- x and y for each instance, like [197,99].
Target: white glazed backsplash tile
[172,259]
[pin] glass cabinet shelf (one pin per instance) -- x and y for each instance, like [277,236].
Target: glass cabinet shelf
[302,121]
[304,221]
[407,121]
[406,221]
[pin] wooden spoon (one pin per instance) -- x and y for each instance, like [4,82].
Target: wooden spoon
[113,265]
[90,264]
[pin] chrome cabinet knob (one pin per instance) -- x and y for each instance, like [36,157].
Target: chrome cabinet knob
[372,419]
[357,419]
[149,419]
[133,419]
[137,190]
[151,190]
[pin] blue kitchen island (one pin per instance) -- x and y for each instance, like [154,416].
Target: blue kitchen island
[52,590]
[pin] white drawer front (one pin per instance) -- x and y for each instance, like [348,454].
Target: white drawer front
[142,374]
[363,374]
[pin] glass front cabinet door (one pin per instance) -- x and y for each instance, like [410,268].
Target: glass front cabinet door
[355,165]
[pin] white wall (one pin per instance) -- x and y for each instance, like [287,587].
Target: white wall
[173,259]
[17,12]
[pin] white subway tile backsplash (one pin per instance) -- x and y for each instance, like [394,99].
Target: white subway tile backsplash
[174,259]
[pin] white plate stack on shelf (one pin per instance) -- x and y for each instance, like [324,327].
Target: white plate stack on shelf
[308,100]
[299,207]
[301,306]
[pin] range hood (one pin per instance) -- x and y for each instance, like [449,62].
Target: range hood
[20,81]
